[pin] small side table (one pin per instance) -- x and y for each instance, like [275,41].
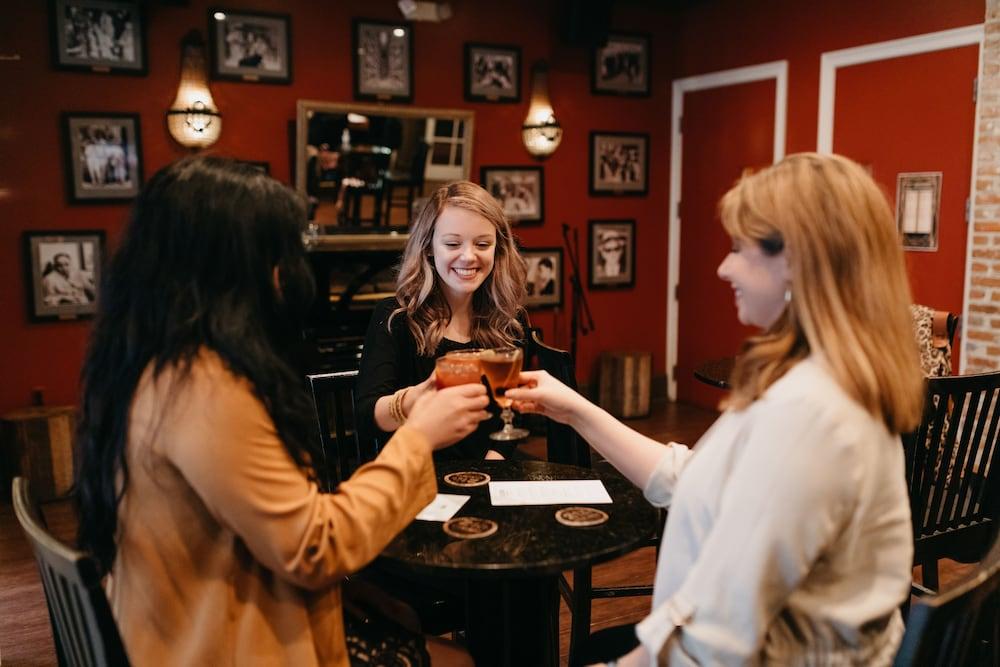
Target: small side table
[37,442]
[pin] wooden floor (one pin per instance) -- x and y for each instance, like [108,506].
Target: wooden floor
[25,637]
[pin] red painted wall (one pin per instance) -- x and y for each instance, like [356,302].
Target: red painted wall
[256,116]
[717,35]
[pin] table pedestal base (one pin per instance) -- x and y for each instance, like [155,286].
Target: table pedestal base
[514,622]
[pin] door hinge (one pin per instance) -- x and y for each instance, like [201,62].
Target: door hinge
[975,89]
[968,210]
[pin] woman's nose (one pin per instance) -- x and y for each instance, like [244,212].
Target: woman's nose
[723,270]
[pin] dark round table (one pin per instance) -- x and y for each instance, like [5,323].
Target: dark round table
[716,372]
[519,565]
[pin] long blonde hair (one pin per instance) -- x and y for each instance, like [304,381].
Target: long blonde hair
[496,304]
[849,290]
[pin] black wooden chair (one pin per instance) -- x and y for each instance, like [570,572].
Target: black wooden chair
[410,180]
[333,394]
[84,630]
[960,626]
[566,446]
[951,469]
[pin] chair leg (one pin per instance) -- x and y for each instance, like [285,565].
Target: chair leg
[929,573]
[580,612]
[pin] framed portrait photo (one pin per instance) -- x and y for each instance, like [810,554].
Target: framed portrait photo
[492,73]
[250,46]
[611,248]
[545,277]
[520,190]
[621,67]
[383,61]
[107,36]
[619,164]
[62,270]
[103,156]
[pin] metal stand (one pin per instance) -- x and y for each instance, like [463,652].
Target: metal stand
[579,303]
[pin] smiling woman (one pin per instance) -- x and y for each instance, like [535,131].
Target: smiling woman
[461,286]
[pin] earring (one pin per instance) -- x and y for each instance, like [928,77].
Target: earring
[788,295]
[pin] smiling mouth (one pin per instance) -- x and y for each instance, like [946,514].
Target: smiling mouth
[465,273]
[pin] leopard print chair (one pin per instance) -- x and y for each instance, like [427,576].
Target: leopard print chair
[934,330]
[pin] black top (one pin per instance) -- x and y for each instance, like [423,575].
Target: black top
[390,361]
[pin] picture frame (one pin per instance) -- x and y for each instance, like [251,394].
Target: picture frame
[918,208]
[545,277]
[619,164]
[520,190]
[103,155]
[382,54]
[611,253]
[492,73]
[621,67]
[250,46]
[100,36]
[62,273]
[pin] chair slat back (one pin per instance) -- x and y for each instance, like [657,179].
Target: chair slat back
[952,460]
[82,624]
[960,626]
[345,452]
[563,443]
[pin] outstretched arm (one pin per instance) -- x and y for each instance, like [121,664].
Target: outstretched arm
[632,453]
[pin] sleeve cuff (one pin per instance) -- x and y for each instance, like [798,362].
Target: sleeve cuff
[655,631]
[659,490]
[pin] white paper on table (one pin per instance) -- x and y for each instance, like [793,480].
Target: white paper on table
[443,507]
[549,492]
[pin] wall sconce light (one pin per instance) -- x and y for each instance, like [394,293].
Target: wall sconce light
[541,132]
[193,119]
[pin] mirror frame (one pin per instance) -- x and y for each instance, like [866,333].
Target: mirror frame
[303,107]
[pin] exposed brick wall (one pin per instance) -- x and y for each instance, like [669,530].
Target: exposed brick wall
[982,324]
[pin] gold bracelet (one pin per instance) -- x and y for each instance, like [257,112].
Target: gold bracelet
[396,406]
[402,412]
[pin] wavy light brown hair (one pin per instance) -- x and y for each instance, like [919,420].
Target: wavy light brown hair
[496,304]
[850,294]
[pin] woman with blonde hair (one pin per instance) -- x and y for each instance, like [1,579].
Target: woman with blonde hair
[461,285]
[789,537]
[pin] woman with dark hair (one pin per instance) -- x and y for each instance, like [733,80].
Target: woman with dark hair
[197,491]
[461,285]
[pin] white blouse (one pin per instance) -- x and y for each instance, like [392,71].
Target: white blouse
[789,538]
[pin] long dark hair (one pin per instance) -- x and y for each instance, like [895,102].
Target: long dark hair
[195,270]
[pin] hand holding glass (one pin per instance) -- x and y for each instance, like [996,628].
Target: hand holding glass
[457,368]
[502,367]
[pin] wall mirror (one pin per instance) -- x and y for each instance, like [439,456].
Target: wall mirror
[364,168]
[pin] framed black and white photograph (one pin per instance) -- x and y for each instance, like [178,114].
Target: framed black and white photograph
[250,46]
[103,156]
[107,36]
[62,270]
[492,73]
[545,277]
[918,207]
[521,191]
[619,164]
[383,61]
[621,67]
[611,248]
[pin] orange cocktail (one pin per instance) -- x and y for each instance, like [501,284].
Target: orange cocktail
[457,368]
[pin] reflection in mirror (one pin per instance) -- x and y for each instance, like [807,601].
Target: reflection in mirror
[366,168]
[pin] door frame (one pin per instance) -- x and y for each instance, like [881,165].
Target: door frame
[777,70]
[941,40]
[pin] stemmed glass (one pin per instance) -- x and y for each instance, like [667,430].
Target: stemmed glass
[459,367]
[502,367]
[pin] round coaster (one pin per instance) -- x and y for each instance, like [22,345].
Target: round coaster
[579,517]
[470,527]
[467,478]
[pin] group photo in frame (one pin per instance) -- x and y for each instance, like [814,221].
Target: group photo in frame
[520,190]
[103,155]
[545,277]
[492,73]
[621,67]
[250,46]
[99,36]
[619,164]
[62,272]
[383,60]
[611,249]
